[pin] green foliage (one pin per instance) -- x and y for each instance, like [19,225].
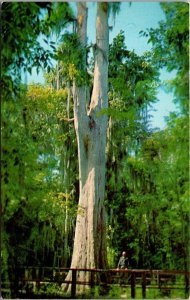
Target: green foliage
[39,205]
[22,25]
[20,28]
[132,89]
[71,65]
[147,174]
[133,83]
[171,48]
[157,211]
[161,167]
[71,54]
[114,8]
[60,17]
[131,78]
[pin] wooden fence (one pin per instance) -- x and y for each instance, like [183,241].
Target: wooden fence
[164,280]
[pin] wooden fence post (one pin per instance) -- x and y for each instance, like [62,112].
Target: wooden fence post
[133,279]
[16,281]
[92,283]
[38,279]
[187,292]
[144,285]
[73,285]
[26,275]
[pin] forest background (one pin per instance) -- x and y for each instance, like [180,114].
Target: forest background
[147,188]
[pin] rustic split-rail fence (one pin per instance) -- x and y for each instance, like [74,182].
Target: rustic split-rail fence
[30,280]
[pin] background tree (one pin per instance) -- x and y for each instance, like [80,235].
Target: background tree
[133,81]
[39,204]
[170,46]
[21,48]
[163,38]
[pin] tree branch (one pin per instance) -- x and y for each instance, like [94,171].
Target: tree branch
[69,120]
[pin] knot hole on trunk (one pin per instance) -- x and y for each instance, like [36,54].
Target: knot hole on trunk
[86,143]
[92,123]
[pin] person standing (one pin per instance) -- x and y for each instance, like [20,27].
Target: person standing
[123,265]
[123,262]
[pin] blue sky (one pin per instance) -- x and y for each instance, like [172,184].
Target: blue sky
[132,19]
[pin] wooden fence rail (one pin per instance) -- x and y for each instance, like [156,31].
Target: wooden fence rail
[159,279]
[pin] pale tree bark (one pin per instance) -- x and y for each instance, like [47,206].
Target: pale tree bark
[89,244]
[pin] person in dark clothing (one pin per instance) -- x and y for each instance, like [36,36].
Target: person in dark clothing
[123,262]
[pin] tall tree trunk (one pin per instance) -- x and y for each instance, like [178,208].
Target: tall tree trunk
[89,244]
